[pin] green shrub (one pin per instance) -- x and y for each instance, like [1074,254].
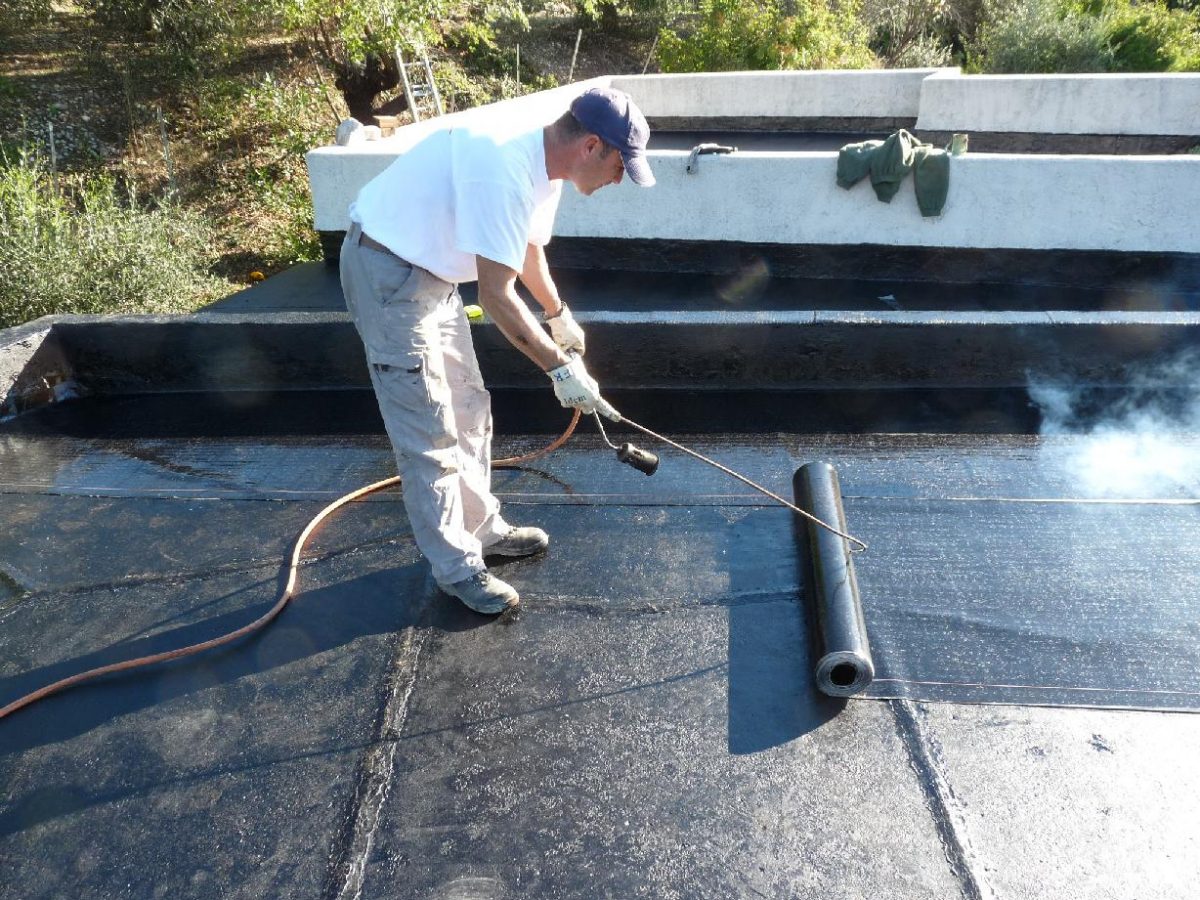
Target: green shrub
[21,15]
[480,66]
[80,244]
[1150,37]
[167,42]
[910,33]
[733,35]
[1042,36]
[251,176]
[462,87]
[474,43]
[12,92]
[1090,36]
[635,15]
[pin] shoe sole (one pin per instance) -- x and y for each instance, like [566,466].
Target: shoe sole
[516,554]
[513,554]
[489,611]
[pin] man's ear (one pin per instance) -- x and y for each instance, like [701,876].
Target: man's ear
[591,145]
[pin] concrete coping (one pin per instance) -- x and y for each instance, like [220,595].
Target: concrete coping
[1126,203]
[1099,104]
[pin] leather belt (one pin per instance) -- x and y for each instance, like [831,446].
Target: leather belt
[365,240]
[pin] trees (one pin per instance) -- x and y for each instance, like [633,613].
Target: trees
[1089,36]
[747,34]
[357,40]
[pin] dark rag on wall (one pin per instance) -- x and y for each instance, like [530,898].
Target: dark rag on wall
[889,162]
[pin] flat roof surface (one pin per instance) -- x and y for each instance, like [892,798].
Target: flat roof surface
[644,726]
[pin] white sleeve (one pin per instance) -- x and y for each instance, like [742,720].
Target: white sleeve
[492,220]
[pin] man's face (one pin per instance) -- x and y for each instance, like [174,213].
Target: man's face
[600,165]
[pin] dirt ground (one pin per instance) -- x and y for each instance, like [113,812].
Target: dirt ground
[57,85]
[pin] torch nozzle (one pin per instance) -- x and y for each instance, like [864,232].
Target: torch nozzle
[642,460]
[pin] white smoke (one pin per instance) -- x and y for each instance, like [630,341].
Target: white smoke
[1144,445]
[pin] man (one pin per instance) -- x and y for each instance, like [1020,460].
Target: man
[475,202]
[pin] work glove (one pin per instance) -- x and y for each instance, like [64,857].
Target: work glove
[566,331]
[574,387]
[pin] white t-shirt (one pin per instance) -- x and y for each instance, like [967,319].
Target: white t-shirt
[479,188]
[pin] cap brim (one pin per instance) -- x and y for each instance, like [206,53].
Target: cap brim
[638,169]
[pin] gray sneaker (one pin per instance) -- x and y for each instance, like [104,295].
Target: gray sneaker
[523,541]
[484,593]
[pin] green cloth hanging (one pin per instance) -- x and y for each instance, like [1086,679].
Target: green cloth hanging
[889,162]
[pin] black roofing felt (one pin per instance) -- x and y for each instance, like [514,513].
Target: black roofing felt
[644,726]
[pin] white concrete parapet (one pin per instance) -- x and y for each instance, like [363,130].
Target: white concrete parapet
[1038,201]
[1041,202]
[1152,104]
[873,93]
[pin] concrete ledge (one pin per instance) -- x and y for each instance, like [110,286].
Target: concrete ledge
[869,93]
[1158,104]
[1127,204]
[1119,203]
[882,125]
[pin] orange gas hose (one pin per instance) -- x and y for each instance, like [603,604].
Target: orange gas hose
[289,590]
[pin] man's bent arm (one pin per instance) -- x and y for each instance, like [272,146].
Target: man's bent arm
[499,299]
[535,275]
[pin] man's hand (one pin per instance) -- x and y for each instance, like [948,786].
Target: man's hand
[574,387]
[566,331]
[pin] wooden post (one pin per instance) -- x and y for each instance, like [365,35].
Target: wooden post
[650,55]
[571,73]
[162,131]
[53,154]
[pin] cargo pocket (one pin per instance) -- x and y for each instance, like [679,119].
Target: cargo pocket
[415,404]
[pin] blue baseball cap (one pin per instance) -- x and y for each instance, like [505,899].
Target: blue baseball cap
[612,116]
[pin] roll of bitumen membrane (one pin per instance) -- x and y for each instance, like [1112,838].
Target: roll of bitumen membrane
[844,667]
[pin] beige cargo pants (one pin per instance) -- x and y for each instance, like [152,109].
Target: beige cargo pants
[434,405]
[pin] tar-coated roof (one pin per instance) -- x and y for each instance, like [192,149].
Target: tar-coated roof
[645,726]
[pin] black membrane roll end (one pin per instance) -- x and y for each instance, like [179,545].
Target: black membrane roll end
[845,666]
